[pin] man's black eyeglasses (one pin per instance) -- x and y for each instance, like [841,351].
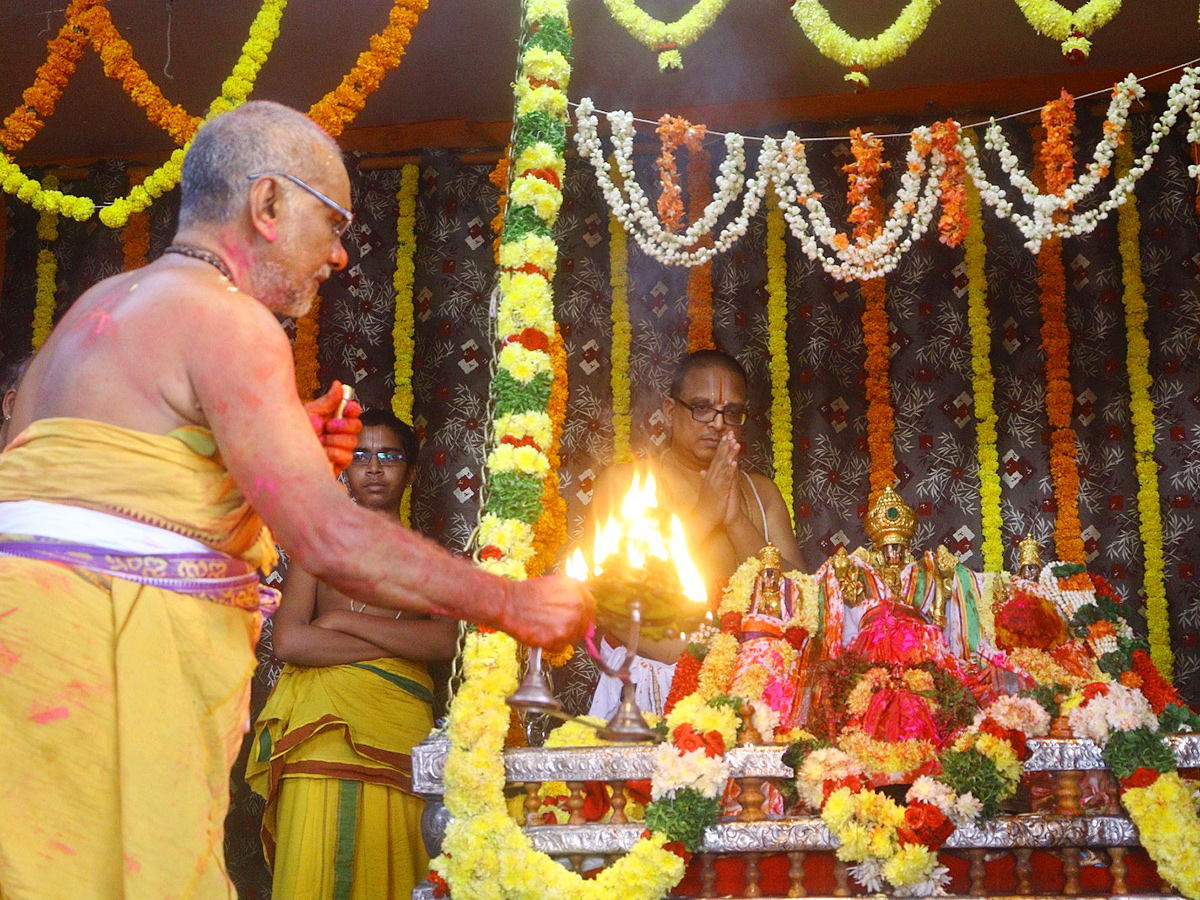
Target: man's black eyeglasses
[385,457]
[702,412]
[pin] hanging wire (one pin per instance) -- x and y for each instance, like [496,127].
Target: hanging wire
[988,121]
[167,64]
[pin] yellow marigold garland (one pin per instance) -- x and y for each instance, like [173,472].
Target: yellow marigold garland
[402,284]
[862,54]
[1165,816]
[1056,161]
[46,301]
[781,398]
[621,332]
[984,385]
[666,38]
[1071,28]
[700,286]
[304,350]
[1137,362]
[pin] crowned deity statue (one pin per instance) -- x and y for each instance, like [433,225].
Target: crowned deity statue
[767,666]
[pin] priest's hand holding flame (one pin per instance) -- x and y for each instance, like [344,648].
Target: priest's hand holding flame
[636,558]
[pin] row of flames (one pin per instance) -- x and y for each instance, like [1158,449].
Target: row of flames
[638,528]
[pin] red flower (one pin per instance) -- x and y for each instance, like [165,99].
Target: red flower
[714,744]
[1095,689]
[853,782]
[491,551]
[1012,736]
[440,888]
[1141,778]
[679,850]
[731,622]
[530,339]
[686,739]
[683,684]
[926,824]
[796,636]
[1157,689]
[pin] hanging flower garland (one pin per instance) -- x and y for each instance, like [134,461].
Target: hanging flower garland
[38,100]
[618,254]
[984,385]
[862,54]
[46,298]
[1137,362]
[628,202]
[954,222]
[304,350]
[700,286]
[338,108]
[674,132]
[1057,161]
[666,38]
[550,530]
[781,398]
[135,237]
[499,179]
[1071,28]
[116,56]
[402,285]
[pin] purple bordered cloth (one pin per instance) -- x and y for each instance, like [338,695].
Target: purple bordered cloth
[214,577]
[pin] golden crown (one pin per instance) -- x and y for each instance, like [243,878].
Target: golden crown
[1031,552]
[891,520]
[770,557]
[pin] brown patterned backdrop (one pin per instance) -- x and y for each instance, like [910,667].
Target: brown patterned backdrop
[931,386]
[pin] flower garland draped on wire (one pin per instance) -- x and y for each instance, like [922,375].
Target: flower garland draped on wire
[1056,157]
[862,54]
[666,38]
[983,385]
[135,237]
[1137,363]
[402,284]
[46,299]
[781,397]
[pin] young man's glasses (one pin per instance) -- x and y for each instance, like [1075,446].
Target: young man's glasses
[702,412]
[385,457]
[347,217]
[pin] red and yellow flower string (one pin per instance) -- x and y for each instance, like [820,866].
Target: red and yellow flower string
[46,298]
[983,383]
[781,398]
[1137,363]
[867,215]
[1057,164]
[618,253]
[402,284]
[550,530]
[699,286]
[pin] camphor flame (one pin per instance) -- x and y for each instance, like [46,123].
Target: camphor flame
[642,536]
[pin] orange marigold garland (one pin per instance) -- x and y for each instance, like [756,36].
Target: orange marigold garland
[337,109]
[700,286]
[550,530]
[1056,158]
[499,178]
[117,58]
[867,215]
[674,133]
[37,102]
[954,222]
[135,237]
[305,351]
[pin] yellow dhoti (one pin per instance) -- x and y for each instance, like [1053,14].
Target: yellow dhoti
[332,755]
[122,705]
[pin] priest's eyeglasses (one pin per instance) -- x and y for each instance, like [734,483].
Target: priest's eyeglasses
[385,457]
[702,412]
[339,228]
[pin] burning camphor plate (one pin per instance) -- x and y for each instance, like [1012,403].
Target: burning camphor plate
[638,560]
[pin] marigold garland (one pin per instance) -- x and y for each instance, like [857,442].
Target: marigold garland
[666,38]
[402,285]
[1137,362]
[135,237]
[304,350]
[46,300]
[674,132]
[1070,27]
[38,100]
[984,384]
[550,530]
[955,219]
[862,54]
[499,179]
[781,398]
[337,109]
[700,286]
[881,423]
[618,254]
[1057,159]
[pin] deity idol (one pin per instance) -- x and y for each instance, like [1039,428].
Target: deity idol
[766,671]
